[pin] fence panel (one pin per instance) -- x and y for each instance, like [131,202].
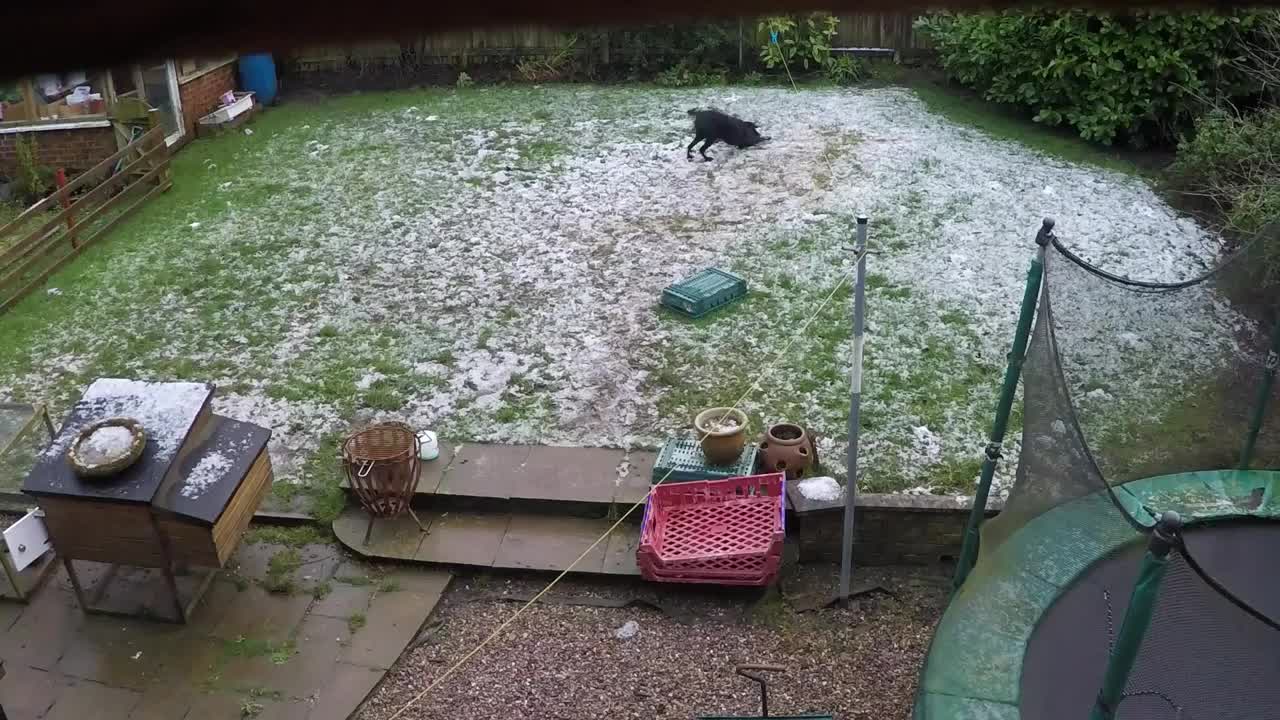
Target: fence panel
[881,30]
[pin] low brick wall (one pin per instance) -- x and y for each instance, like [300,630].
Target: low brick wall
[76,149]
[200,95]
[889,529]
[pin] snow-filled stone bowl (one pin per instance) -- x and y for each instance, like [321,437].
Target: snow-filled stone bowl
[107,447]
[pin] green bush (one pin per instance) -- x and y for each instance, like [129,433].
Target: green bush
[1234,163]
[1141,77]
[683,75]
[803,43]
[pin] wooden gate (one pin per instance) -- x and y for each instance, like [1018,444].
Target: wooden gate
[54,231]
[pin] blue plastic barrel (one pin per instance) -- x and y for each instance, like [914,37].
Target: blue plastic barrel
[258,76]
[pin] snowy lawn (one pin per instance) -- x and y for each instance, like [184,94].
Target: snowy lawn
[487,263]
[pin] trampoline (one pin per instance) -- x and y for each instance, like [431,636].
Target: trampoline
[1036,629]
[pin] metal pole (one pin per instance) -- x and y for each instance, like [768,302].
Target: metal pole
[1137,618]
[1013,370]
[1264,397]
[855,408]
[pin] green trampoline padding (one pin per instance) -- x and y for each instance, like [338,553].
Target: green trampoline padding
[974,666]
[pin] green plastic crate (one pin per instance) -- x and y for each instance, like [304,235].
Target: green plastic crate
[682,458]
[706,291]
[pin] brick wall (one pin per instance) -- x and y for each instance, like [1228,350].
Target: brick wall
[200,96]
[889,529]
[76,150]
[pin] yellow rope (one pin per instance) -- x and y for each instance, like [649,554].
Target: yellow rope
[754,385]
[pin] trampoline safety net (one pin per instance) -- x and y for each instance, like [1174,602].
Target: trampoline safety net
[1136,399]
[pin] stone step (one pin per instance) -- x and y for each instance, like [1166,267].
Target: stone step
[534,479]
[504,540]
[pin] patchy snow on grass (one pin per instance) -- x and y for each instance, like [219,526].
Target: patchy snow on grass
[487,263]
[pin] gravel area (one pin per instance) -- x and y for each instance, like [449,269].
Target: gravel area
[566,661]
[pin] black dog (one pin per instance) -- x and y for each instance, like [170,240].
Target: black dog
[713,126]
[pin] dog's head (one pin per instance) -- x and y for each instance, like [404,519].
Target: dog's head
[751,135]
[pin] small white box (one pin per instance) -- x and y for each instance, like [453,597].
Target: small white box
[227,113]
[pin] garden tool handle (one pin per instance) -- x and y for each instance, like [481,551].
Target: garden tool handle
[745,671]
[761,668]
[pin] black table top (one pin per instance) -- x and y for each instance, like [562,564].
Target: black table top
[211,468]
[167,412]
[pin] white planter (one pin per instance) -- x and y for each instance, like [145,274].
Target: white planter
[227,113]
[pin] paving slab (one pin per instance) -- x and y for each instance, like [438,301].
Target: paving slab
[566,474]
[262,615]
[320,642]
[459,538]
[120,653]
[634,485]
[44,630]
[216,706]
[342,601]
[545,542]
[620,555]
[394,619]
[27,692]
[487,471]
[84,699]
[431,472]
[346,690]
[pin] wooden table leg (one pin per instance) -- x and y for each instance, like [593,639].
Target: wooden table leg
[75,582]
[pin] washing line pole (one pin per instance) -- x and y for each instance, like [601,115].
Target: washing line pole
[1264,397]
[1012,372]
[1137,618]
[855,409]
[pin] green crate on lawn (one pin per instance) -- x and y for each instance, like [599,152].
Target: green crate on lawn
[706,291]
[681,460]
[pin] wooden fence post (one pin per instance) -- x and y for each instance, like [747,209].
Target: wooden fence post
[60,177]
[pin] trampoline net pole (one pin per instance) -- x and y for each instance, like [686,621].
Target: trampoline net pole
[1013,370]
[1137,618]
[1264,395]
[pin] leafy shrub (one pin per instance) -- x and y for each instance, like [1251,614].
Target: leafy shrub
[556,66]
[648,49]
[844,70]
[34,180]
[803,43]
[1143,76]
[464,81]
[683,75]
[1234,162]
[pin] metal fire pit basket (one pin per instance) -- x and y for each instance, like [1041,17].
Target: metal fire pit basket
[381,463]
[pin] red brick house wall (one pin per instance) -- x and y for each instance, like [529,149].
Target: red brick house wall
[76,149]
[199,97]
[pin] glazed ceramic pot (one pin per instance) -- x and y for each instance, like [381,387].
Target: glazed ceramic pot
[787,448]
[723,432]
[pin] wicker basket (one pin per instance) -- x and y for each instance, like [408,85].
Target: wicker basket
[86,468]
[382,463]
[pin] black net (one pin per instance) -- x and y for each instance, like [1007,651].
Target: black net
[1202,657]
[1123,382]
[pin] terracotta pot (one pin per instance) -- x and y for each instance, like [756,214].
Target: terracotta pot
[787,448]
[723,432]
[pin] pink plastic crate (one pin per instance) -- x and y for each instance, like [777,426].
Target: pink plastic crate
[717,531]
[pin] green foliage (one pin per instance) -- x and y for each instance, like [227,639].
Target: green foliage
[464,81]
[33,180]
[1142,77]
[683,75]
[1234,162]
[844,70]
[648,50]
[804,43]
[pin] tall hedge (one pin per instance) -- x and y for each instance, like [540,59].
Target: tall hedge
[1142,77]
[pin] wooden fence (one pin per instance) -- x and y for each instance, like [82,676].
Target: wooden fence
[54,231]
[879,30]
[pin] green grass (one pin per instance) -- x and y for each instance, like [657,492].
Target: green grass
[356,621]
[355,580]
[291,536]
[388,584]
[968,108]
[280,569]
